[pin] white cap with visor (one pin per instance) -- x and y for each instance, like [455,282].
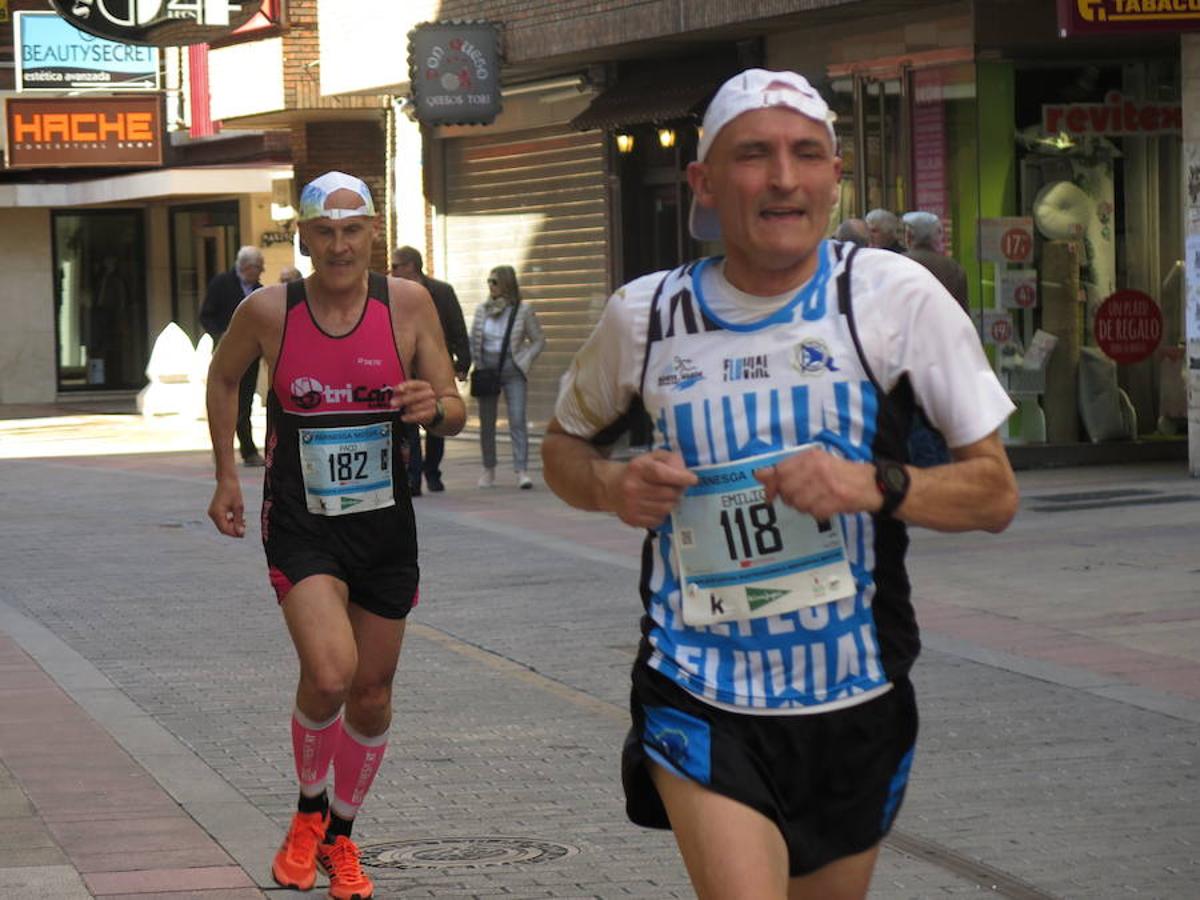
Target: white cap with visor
[317,192]
[745,92]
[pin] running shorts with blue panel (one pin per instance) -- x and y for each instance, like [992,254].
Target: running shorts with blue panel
[832,782]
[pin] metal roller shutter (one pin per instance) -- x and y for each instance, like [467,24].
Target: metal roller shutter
[534,200]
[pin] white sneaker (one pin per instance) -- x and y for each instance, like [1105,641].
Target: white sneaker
[524,482]
[488,478]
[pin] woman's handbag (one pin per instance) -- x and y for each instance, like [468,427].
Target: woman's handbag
[486,382]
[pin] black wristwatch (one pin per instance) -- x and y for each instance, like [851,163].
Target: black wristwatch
[439,413]
[892,480]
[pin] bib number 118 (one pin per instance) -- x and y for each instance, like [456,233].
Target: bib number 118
[747,525]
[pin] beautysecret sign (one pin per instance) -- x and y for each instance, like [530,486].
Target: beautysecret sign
[54,55]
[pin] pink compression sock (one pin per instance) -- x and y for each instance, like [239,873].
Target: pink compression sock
[313,746]
[354,766]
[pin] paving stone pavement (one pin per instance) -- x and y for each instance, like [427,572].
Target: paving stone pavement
[1042,767]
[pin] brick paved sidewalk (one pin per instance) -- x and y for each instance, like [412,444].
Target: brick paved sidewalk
[1059,707]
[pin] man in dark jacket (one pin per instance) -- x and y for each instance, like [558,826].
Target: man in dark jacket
[923,234]
[224,293]
[882,228]
[407,263]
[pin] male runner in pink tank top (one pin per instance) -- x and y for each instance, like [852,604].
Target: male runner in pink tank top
[353,357]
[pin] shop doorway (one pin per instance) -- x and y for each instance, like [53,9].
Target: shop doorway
[656,199]
[204,242]
[882,143]
[100,299]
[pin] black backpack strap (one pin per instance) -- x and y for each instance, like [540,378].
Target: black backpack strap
[846,308]
[653,330]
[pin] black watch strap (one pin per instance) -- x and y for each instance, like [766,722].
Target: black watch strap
[892,480]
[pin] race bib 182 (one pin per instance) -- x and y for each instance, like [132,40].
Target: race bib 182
[347,470]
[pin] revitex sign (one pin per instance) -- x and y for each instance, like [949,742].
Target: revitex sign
[162,23]
[1116,116]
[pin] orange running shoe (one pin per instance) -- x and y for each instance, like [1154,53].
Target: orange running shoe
[295,864]
[339,860]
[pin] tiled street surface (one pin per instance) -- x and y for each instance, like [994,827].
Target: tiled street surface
[147,677]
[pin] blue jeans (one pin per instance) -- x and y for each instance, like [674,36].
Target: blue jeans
[513,384]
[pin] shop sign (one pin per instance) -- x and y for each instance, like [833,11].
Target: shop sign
[1115,117]
[161,23]
[1077,17]
[54,55]
[1016,288]
[930,153]
[83,131]
[454,70]
[1006,239]
[997,327]
[1128,326]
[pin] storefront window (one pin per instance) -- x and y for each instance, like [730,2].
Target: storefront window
[100,299]
[655,198]
[1099,155]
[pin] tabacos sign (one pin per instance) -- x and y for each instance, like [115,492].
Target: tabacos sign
[1077,17]
[1115,117]
[163,23]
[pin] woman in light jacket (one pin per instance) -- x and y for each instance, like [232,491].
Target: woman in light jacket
[525,343]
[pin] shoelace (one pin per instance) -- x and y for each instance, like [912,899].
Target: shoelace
[343,857]
[303,840]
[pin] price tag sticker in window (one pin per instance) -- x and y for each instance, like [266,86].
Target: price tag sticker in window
[740,557]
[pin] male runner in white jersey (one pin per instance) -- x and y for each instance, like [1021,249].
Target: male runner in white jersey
[773,718]
[354,356]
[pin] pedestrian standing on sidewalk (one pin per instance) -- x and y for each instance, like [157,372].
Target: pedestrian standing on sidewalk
[773,718]
[354,356]
[407,263]
[224,294]
[883,230]
[506,338]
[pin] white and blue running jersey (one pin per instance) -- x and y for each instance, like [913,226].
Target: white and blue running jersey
[844,363]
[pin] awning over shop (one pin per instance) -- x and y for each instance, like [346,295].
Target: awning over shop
[672,90]
[151,185]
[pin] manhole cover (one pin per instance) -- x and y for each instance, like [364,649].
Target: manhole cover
[462,853]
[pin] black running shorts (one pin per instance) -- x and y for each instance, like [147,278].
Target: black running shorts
[833,782]
[374,553]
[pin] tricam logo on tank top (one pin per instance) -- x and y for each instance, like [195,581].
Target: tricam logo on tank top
[309,393]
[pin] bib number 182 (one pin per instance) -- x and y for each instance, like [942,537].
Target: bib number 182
[744,525]
[351,465]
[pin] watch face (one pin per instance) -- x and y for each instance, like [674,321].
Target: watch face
[895,477]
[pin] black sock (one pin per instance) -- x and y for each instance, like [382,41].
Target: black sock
[338,827]
[319,803]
